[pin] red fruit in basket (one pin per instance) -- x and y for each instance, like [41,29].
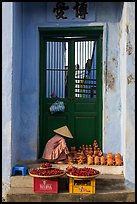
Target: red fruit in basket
[83,171]
[46,165]
[46,172]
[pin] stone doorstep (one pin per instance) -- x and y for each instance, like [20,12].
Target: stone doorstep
[27,195]
[102,179]
[109,187]
[103,183]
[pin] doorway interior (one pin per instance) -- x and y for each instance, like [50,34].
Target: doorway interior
[71,71]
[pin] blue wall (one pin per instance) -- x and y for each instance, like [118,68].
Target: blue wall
[16,81]
[40,15]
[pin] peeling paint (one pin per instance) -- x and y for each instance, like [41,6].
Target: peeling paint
[109,77]
[110,80]
[130,79]
[114,60]
[129,48]
[5,189]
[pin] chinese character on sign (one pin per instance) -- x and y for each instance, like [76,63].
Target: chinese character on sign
[81,9]
[59,10]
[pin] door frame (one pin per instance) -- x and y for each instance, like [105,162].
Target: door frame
[94,31]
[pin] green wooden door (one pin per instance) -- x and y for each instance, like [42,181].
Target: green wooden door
[71,71]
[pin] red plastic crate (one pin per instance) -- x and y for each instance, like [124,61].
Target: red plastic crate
[42,185]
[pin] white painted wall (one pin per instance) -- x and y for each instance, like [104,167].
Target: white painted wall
[129,104]
[7,63]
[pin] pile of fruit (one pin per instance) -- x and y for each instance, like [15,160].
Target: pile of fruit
[71,170]
[46,166]
[46,172]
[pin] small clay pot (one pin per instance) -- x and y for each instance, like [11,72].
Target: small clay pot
[110,161]
[118,162]
[90,152]
[80,148]
[118,156]
[96,160]
[90,160]
[81,156]
[95,152]
[80,161]
[86,151]
[94,143]
[86,146]
[89,146]
[100,153]
[95,148]
[70,157]
[70,162]
[110,156]
[83,147]
[102,160]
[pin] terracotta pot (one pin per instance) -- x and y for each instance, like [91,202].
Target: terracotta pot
[118,156]
[86,151]
[94,142]
[100,153]
[102,160]
[80,161]
[96,160]
[70,157]
[83,147]
[95,148]
[110,155]
[118,162]
[81,156]
[96,145]
[80,148]
[90,160]
[110,161]
[90,152]
[95,152]
[70,162]
[89,146]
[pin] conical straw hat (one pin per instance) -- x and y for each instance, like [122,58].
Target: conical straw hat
[64,131]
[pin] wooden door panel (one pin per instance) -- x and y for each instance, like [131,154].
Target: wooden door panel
[85,127]
[85,106]
[74,82]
